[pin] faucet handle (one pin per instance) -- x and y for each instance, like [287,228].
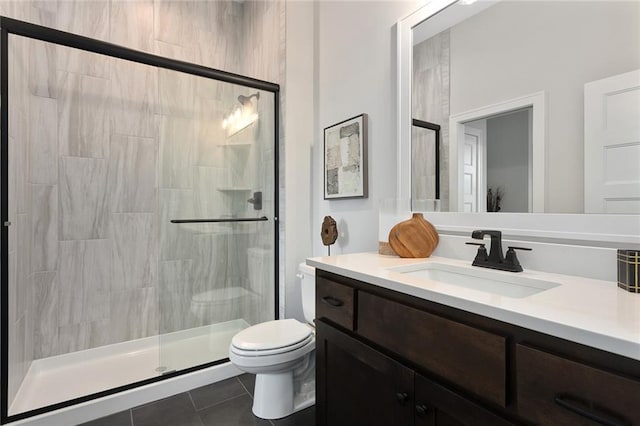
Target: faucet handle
[482,251]
[511,259]
[520,248]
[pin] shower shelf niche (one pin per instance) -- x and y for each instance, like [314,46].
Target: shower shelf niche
[242,129]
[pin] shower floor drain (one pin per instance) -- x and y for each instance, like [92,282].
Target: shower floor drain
[163,369]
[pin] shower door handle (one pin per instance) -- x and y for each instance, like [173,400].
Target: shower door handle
[240,219]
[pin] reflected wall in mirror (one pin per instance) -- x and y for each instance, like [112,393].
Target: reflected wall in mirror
[539,100]
[425,174]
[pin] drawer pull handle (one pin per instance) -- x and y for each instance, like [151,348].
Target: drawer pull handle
[579,408]
[332,301]
[402,397]
[422,409]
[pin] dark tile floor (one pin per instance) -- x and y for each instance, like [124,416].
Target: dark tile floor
[224,403]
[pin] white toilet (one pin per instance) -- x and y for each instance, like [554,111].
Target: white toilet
[280,354]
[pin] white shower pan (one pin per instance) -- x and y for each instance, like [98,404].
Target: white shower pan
[78,374]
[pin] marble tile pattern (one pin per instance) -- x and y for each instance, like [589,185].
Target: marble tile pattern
[133,184]
[131,24]
[43,140]
[176,93]
[133,314]
[81,336]
[84,271]
[43,65]
[83,110]
[209,132]
[23,264]
[134,245]
[176,152]
[430,102]
[44,228]
[175,290]
[19,121]
[135,87]
[46,314]
[84,207]
[104,153]
[176,240]
[210,270]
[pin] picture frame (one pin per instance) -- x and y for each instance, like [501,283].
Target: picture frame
[345,159]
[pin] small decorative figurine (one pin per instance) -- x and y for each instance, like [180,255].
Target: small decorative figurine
[329,232]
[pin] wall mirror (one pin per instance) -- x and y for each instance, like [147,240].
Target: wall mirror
[538,104]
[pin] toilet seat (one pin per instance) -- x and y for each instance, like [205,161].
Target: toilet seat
[257,362]
[272,337]
[275,351]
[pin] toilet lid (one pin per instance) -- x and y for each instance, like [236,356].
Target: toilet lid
[271,335]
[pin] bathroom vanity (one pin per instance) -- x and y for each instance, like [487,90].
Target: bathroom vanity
[398,347]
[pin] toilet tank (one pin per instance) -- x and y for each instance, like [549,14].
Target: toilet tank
[307,277]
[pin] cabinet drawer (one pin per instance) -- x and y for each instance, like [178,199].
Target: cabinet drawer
[555,390]
[466,356]
[334,302]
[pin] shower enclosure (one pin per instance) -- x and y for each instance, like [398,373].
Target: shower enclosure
[139,202]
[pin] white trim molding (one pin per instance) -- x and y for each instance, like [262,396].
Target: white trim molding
[404,46]
[537,101]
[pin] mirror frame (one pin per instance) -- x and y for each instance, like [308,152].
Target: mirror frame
[404,41]
[590,229]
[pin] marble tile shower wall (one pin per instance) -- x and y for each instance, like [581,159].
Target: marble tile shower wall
[430,102]
[105,152]
[263,44]
[22,283]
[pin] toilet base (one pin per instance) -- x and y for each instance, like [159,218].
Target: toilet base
[273,396]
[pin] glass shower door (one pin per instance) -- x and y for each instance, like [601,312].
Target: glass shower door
[217,211]
[139,197]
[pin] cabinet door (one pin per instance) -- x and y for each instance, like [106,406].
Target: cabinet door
[356,385]
[440,406]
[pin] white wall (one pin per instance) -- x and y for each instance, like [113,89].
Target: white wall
[356,74]
[532,42]
[298,111]
[508,159]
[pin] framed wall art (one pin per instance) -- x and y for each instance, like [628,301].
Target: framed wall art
[345,159]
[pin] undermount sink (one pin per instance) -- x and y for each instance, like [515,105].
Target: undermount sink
[507,284]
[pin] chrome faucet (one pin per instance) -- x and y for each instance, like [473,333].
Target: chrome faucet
[495,259]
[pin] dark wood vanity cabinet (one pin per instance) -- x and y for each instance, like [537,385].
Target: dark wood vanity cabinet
[386,358]
[435,404]
[363,386]
[554,390]
[358,385]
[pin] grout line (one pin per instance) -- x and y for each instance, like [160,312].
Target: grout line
[244,387]
[219,402]
[131,416]
[191,399]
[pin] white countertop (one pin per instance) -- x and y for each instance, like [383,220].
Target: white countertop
[592,312]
